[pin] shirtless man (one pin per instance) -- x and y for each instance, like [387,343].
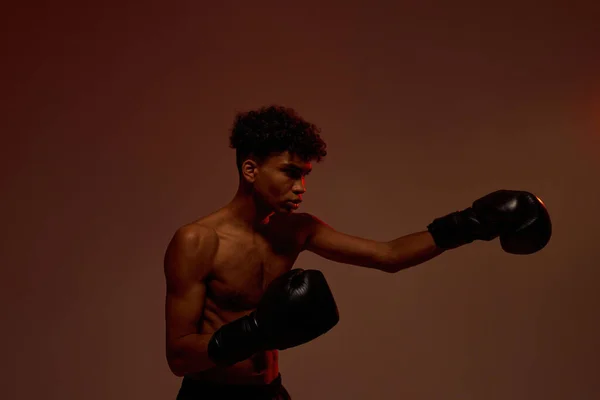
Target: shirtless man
[224,328]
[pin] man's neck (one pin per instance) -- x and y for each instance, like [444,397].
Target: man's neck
[243,208]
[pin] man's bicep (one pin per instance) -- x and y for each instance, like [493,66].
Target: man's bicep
[341,247]
[183,310]
[188,260]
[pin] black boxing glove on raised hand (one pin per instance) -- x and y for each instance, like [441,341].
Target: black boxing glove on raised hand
[519,218]
[296,308]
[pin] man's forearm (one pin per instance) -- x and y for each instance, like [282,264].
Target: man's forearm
[411,250]
[188,355]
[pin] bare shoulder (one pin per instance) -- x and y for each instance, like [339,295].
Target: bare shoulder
[301,225]
[195,234]
[305,222]
[191,251]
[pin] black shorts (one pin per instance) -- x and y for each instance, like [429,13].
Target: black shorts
[198,390]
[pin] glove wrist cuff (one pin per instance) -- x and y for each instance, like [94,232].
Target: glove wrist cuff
[235,341]
[453,230]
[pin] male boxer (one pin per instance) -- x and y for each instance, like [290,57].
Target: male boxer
[233,299]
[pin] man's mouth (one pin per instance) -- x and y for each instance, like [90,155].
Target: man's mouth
[294,203]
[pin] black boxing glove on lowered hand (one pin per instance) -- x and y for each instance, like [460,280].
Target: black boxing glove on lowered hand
[519,218]
[296,308]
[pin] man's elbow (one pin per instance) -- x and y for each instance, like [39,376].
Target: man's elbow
[392,266]
[177,366]
[389,268]
[182,364]
[384,260]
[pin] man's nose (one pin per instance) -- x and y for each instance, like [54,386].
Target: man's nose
[299,187]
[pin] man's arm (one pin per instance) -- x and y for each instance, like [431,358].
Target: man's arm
[520,219]
[391,256]
[188,260]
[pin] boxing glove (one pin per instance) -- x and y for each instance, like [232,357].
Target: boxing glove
[296,307]
[518,218]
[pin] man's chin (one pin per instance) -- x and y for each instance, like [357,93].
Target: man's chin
[286,209]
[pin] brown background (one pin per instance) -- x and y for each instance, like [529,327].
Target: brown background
[115,133]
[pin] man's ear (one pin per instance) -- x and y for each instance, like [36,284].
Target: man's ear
[249,170]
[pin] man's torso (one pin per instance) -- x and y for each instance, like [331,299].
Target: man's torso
[246,261]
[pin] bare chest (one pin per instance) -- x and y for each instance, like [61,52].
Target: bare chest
[245,266]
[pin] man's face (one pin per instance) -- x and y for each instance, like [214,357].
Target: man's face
[281,181]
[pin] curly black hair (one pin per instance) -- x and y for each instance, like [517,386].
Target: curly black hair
[275,129]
